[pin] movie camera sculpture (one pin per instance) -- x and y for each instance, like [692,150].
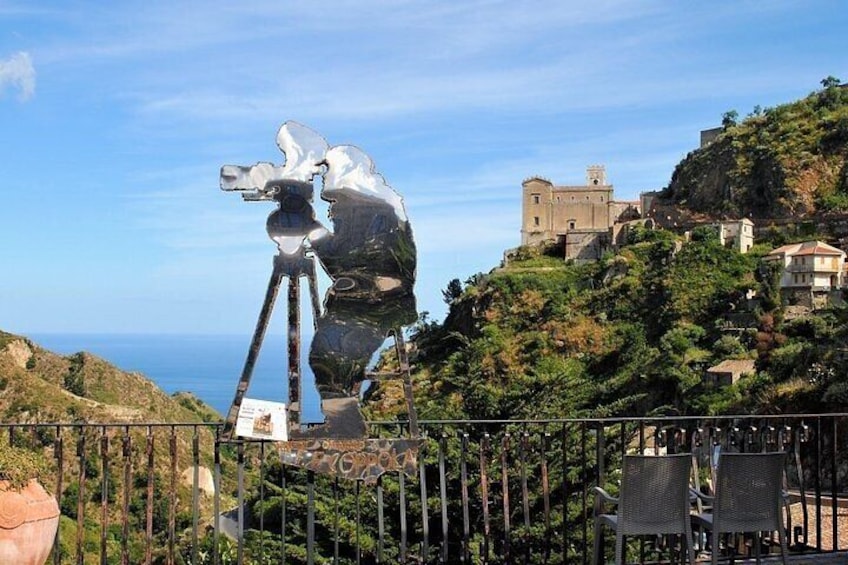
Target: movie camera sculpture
[370,258]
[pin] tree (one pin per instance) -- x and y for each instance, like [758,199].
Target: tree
[729,118]
[830,81]
[830,95]
[74,380]
[453,291]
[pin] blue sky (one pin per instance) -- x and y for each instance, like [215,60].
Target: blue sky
[115,118]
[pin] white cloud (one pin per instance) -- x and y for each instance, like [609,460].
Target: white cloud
[17,72]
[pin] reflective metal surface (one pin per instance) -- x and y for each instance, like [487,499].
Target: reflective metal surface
[370,256]
[367,250]
[289,185]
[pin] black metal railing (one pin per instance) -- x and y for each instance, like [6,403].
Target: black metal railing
[485,491]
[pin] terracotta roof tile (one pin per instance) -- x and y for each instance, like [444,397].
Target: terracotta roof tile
[736,366]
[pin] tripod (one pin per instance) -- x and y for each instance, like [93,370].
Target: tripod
[293,268]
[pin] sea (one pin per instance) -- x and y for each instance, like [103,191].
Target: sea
[209,366]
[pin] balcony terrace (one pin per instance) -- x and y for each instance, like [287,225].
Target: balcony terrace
[813,268]
[485,491]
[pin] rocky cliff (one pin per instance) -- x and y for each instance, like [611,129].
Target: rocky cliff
[785,161]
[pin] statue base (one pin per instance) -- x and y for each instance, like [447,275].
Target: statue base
[342,420]
[340,447]
[353,459]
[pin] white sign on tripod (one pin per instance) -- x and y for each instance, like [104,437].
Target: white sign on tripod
[262,419]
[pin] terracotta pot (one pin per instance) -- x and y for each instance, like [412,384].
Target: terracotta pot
[28,521]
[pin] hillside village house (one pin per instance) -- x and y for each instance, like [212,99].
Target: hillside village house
[737,234]
[812,265]
[811,271]
[729,371]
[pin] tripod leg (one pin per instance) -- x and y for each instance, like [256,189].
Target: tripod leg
[403,365]
[309,270]
[255,345]
[294,351]
[313,293]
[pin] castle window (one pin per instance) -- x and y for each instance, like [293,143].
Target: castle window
[602,198]
[536,199]
[535,220]
[572,224]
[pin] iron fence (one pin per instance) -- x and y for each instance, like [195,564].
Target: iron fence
[485,491]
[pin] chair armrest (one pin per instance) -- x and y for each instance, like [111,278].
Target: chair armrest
[698,494]
[605,496]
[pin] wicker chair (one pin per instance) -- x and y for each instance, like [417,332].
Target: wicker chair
[748,498]
[654,500]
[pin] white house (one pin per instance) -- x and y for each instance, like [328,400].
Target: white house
[738,234]
[812,265]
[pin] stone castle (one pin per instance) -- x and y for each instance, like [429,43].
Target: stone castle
[586,220]
[580,218]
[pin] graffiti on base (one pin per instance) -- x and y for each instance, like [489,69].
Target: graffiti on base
[361,460]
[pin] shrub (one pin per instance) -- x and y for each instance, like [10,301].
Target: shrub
[19,465]
[74,381]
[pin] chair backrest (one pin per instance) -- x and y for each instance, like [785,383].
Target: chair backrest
[654,494]
[748,492]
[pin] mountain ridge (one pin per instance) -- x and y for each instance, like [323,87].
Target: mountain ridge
[786,161]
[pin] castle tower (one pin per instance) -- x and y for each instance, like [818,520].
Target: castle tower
[536,210]
[596,175]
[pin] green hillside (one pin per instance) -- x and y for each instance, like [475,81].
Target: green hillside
[789,160]
[37,385]
[634,333]
[41,387]
[629,335]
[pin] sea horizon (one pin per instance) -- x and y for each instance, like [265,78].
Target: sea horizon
[206,365]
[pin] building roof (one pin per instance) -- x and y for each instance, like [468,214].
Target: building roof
[819,249]
[735,366]
[807,248]
[536,178]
